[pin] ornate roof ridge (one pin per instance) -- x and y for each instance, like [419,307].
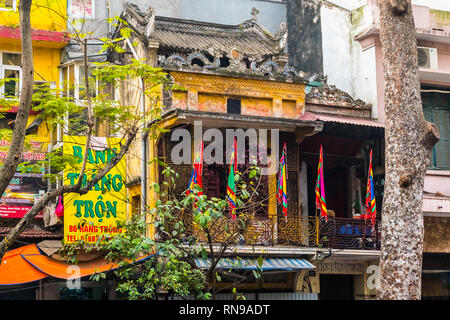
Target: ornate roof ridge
[146,23]
[246,26]
[332,96]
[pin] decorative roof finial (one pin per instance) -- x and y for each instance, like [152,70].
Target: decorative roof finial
[254,13]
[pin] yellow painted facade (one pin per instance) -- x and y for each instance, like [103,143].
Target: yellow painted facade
[48,15]
[48,23]
[207,92]
[46,61]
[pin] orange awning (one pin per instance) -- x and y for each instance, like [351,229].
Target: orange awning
[27,264]
[14,269]
[63,270]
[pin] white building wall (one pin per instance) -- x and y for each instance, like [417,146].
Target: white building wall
[336,47]
[366,79]
[345,63]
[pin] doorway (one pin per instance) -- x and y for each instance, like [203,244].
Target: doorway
[336,287]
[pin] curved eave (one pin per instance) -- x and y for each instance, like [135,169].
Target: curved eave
[217,119]
[229,73]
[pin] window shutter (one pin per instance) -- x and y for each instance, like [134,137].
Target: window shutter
[436,109]
[445,138]
[441,118]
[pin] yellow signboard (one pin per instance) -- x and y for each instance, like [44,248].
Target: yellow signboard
[88,216]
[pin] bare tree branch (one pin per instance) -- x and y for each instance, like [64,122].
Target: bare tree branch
[14,156]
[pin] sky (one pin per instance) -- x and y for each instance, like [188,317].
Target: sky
[434,4]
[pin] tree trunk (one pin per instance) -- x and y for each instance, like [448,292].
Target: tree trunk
[409,141]
[52,194]
[20,123]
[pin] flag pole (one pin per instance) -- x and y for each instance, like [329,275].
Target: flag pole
[317,227]
[368,194]
[364,230]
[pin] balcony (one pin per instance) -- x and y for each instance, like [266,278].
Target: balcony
[337,233]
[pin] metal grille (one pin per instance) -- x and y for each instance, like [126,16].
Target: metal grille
[340,233]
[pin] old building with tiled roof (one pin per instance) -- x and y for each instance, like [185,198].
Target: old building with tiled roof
[238,77]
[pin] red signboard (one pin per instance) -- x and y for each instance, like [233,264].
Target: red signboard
[25,188]
[7,211]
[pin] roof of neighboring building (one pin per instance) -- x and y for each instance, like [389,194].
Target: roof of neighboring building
[238,120]
[312,116]
[247,49]
[325,94]
[34,232]
[74,52]
[330,104]
[187,35]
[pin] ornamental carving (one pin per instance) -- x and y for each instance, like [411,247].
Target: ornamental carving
[237,63]
[330,95]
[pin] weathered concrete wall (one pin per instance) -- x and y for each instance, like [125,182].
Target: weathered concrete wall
[258,98]
[435,4]
[257,107]
[305,36]
[337,47]
[349,4]
[437,181]
[436,234]
[349,64]
[249,106]
[212,103]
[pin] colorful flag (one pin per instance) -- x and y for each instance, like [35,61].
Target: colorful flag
[231,188]
[196,175]
[371,209]
[320,189]
[282,185]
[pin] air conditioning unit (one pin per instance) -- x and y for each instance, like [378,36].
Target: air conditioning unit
[427,57]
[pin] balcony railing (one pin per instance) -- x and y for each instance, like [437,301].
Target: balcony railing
[339,233]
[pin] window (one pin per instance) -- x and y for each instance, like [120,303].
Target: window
[82,87]
[234,106]
[11,70]
[68,80]
[73,85]
[7,5]
[136,205]
[7,121]
[436,109]
[73,81]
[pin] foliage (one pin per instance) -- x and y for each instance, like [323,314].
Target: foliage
[168,264]
[77,109]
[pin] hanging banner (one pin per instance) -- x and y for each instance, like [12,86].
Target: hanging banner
[25,188]
[88,216]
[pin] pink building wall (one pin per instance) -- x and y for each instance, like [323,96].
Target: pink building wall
[433,30]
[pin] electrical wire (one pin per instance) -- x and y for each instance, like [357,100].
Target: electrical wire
[434,91]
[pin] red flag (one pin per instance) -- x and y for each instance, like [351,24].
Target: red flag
[282,184]
[371,207]
[231,188]
[196,175]
[320,189]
